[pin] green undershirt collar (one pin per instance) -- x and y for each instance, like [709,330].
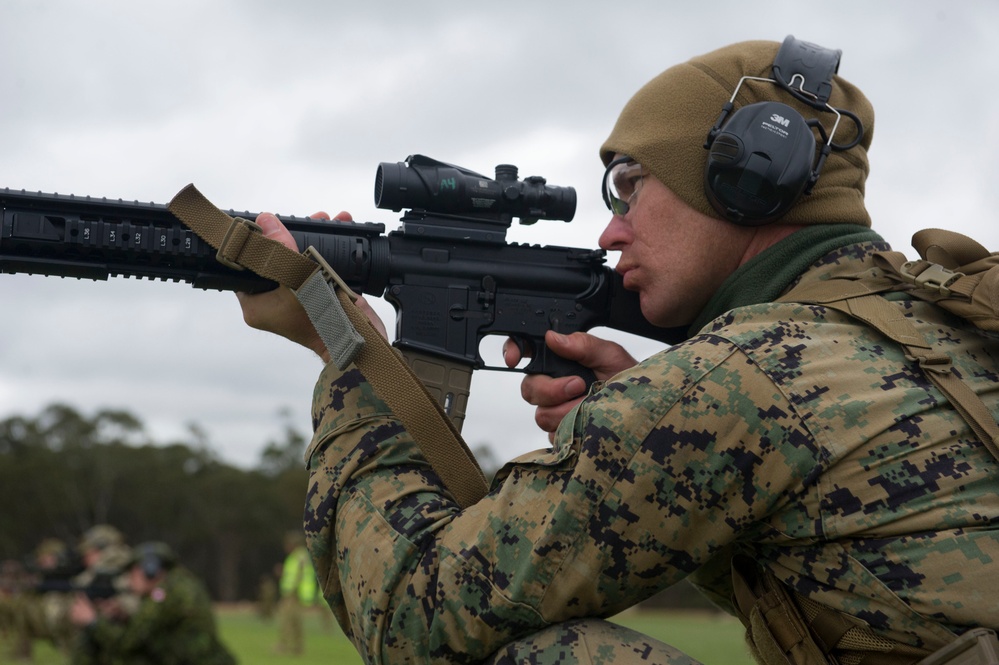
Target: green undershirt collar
[765,276]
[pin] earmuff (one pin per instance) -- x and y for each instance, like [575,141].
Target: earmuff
[153,558]
[763,157]
[150,564]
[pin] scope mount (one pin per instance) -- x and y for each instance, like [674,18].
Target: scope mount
[440,226]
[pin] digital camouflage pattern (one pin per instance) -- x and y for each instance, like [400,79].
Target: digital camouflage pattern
[594,641]
[789,433]
[174,625]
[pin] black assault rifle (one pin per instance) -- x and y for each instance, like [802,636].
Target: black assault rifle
[448,270]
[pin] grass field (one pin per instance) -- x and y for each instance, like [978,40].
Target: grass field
[711,638]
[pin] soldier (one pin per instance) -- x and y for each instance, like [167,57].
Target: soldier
[174,622]
[268,594]
[102,591]
[15,610]
[56,564]
[298,591]
[105,556]
[103,586]
[795,463]
[98,539]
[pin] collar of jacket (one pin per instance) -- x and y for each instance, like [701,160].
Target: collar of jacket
[768,274]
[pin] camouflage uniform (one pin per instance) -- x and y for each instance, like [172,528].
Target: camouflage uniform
[174,625]
[788,433]
[99,538]
[54,599]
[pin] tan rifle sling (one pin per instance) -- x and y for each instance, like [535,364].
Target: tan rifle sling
[345,330]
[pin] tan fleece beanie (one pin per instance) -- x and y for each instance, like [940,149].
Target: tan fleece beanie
[665,124]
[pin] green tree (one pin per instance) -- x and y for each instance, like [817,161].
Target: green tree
[62,472]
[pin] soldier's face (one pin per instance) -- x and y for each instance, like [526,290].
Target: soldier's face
[91,557]
[674,256]
[139,583]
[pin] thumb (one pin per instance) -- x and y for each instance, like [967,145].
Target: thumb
[275,230]
[577,346]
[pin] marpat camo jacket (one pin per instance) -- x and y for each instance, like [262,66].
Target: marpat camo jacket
[786,432]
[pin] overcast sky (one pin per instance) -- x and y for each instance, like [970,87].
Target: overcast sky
[290,106]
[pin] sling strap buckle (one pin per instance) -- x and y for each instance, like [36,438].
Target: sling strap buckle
[234,242]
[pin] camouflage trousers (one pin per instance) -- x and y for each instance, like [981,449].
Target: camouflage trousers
[589,642]
[291,632]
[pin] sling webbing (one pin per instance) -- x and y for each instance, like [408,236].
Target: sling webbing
[859,299]
[241,245]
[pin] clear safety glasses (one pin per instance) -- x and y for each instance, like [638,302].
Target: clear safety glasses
[622,182]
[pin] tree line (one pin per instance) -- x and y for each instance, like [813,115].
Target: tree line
[62,472]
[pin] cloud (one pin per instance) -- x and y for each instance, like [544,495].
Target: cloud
[290,107]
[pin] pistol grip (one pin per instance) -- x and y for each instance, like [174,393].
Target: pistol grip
[555,366]
[571,367]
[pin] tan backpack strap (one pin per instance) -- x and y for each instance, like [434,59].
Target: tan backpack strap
[949,272]
[971,407]
[933,277]
[326,299]
[859,300]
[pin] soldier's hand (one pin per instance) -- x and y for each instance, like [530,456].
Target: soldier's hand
[279,311]
[82,612]
[112,608]
[555,397]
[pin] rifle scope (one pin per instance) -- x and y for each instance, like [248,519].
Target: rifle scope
[427,184]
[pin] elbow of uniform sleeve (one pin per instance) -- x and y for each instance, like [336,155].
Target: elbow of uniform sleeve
[341,400]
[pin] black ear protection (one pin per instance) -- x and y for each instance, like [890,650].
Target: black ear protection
[150,564]
[763,157]
[153,558]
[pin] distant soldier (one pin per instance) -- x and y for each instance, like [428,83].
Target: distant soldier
[10,574]
[37,601]
[298,591]
[96,540]
[268,595]
[102,589]
[174,623]
[102,592]
[55,564]
[103,550]
[14,584]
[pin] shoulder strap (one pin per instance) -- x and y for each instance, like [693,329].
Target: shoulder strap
[953,271]
[860,299]
[345,330]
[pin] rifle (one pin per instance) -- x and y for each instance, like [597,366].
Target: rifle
[72,576]
[100,586]
[447,270]
[58,579]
